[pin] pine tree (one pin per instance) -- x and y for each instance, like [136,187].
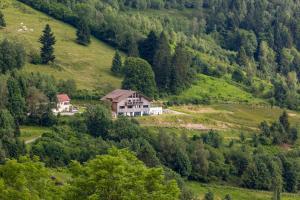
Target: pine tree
[242,58]
[162,63]
[148,46]
[16,101]
[116,67]
[284,121]
[2,20]
[180,68]
[83,33]
[47,40]
[133,50]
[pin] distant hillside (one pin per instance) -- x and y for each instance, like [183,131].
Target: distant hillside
[88,66]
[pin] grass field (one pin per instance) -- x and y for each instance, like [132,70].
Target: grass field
[229,119]
[216,90]
[88,66]
[31,132]
[236,193]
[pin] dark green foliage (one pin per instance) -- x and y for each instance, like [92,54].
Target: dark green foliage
[47,50]
[2,20]
[16,102]
[238,76]
[62,145]
[139,77]
[213,138]
[284,121]
[10,145]
[67,86]
[162,63]
[83,33]
[148,47]
[98,120]
[209,196]
[117,64]
[180,77]
[228,197]
[12,56]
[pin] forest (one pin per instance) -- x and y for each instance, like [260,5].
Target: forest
[161,49]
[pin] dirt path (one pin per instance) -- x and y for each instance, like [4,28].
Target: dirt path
[32,140]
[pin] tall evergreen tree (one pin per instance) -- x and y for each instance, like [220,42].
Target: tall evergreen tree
[180,69]
[133,50]
[116,67]
[15,99]
[47,40]
[148,46]
[162,63]
[2,20]
[284,121]
[83,32]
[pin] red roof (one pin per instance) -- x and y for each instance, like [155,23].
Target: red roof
[62,98]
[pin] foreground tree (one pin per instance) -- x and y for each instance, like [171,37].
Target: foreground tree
[47,40]
[27,179]
[119,175]
[2,20]
[139,76]
[83,33]
[116,67]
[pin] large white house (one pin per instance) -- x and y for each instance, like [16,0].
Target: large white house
[131,103]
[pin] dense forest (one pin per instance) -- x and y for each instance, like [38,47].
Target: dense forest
[258,40]
[92,156]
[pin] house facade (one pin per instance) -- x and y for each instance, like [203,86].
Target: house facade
[130,103]
[63,104]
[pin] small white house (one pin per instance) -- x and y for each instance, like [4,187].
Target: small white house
[63,104]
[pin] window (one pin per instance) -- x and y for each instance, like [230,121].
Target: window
[129,106]
[145,106]
[122,107]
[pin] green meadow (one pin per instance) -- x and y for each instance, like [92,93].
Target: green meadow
[88,66]
[236,193]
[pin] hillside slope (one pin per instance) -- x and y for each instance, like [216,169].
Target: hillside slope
[88,66]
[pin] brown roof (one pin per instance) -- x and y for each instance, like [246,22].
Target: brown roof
[118,95]
[62,98]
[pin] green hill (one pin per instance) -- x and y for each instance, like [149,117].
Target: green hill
[88,66]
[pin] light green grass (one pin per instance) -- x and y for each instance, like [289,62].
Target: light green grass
[236,193]
[88,66]
[229,119]
[31,132]
[217,90]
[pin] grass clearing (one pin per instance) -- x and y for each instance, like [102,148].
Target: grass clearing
[88,66]
[229,119]
[236,193]
[215,90]
[31,132]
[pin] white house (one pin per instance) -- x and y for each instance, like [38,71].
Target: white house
[131,103]
[63,104]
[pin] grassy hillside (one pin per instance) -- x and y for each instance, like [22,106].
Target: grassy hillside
[88,66]
[215,90]
[236,193]
[229,119]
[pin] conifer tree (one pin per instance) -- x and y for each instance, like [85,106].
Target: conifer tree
[2,20]
[133,50]
[162,63]
[116,67]
[180,68]
[148,46]
[83,33]
[16,101]
[242,58]
[47,40]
